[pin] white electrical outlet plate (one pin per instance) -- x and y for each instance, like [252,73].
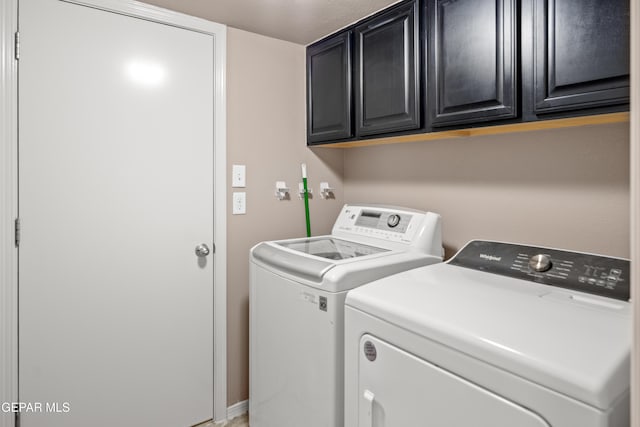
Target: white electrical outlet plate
[239,203]
[238,176]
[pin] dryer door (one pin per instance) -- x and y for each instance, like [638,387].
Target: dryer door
[399,389]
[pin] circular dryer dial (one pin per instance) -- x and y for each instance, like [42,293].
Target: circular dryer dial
[540,263]
[393,220]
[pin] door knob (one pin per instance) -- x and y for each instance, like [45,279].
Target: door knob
[202,250]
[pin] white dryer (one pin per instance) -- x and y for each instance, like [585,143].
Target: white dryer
[297,292]
[501,335]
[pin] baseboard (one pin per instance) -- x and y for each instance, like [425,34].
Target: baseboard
[237,409]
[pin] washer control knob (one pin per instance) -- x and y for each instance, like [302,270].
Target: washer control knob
[393,220]
[540,263]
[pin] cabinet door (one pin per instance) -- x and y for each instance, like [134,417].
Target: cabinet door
[387,72]
[581,54]
[329,103]
[472,61]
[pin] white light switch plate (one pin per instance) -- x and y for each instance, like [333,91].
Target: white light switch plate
[238,176]
[239,203]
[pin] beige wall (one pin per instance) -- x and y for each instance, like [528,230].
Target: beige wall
[266,132]
[564,188]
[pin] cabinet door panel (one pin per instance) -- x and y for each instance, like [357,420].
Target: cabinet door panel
[329,104]
[581,54]
[472,61]
[387,72]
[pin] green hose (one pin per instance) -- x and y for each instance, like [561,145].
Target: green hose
[306,199]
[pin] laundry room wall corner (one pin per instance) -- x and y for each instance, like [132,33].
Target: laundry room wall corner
[8,208]
[266,133]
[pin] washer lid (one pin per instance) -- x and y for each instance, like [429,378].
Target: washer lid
[305,267]
[313,261]
[571,342]
[330,247]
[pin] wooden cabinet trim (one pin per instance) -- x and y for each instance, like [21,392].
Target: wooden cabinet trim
[595,120]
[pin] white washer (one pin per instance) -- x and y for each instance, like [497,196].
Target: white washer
[297,292]
[501,335]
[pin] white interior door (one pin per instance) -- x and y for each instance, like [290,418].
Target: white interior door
[115,193]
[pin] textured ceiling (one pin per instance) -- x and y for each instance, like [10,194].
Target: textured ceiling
[298,21]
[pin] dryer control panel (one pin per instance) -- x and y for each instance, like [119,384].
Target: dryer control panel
[594,274]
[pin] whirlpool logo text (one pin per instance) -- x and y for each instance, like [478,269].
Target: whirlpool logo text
[490,257]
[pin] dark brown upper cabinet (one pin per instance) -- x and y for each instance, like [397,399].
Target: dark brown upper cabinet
[472,72]
[329,91]
[580,54]
[422,66]
[387,72]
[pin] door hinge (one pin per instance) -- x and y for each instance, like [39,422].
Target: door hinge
[17,44]
[17,232]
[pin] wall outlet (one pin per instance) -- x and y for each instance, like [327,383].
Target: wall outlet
[238,176]
[239,203]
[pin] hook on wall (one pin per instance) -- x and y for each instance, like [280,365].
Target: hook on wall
[326,192]
[282,191]
[301,191]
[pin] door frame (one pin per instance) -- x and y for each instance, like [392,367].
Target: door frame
[8,209]
[9,187]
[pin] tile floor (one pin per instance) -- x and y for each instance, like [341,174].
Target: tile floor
[241,421]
